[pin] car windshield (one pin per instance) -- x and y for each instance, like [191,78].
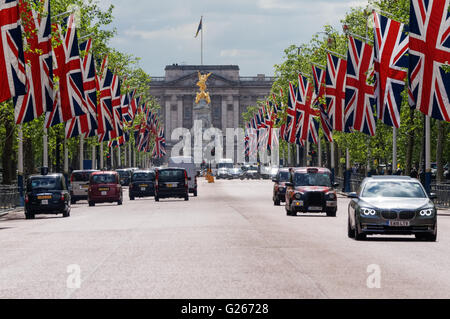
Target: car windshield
[104,179]
[143,177]
[312,179]
[225,165]
[81,176]
[284,176]
[172,175]
[393,189]
[123,173]
[43,183]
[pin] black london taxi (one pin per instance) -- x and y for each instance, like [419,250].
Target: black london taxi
[392,205]
[142,184]
[310,190]
[279,186]
[171,182]
[47,194]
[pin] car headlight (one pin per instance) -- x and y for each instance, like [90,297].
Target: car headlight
[298,196]
[331,196]
[368,211]
[426,212]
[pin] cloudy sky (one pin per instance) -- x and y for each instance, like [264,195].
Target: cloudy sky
[250,33]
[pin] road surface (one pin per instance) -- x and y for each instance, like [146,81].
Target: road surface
[229,242]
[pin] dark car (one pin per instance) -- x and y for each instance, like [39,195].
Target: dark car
[310,190]
[125,176]
[279,186]
[171,182]
[392,205]
[47,194]
[142,184]
[104,187]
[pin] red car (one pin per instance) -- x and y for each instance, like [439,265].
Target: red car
[104,187]
[310,190]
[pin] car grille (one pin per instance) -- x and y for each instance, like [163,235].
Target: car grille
[401,214]
[389,215]
[407,214]
[315,198]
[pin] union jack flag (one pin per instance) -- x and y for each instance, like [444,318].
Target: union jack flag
[159,150]
[69,101]
[116,103]
[429,46]
[319,88]
[291,120]
[126,109]
[307,127]
[359,94]
[90,87]
[12,63]
[391,45]
[105,109]
[335,90]
[86,124]
[39,69]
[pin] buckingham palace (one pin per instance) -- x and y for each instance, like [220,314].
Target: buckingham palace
[230,95]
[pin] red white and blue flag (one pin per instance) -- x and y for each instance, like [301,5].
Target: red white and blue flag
[291,119]
[335,90]
[39,68]
[429,50]
[12,62]
[307,127]
[390,59]
[70,99]
[86,124]
[104,108]
[159,150]
[116,103]
[359,92]
[319,88]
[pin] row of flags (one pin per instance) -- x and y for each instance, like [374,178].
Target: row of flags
[342,95]
[89,103]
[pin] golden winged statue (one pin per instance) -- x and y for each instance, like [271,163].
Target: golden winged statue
[202,95]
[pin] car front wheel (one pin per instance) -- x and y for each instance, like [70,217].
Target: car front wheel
[350,231]
[359,235]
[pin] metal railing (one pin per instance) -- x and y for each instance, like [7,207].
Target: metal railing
[443,194]
[9,197]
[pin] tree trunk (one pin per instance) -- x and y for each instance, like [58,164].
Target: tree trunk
[7,155]
[439,152]
[410,146]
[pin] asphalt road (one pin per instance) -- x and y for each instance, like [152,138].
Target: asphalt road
[229,242]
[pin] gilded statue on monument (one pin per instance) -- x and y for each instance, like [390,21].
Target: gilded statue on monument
[202,95]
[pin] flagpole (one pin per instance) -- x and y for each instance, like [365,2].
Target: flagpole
[45,146]
[101,155]
[201,42]
[66,158]
[319,151]
[332,160]
[94,162]
[119,162]
[20,178]
[81,152]
[394,150]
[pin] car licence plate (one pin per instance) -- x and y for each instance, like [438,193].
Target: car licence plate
[104,193]
[399,223]
[84,186]
[169,185]
[315,208]
[102,189]
[45,197]
[44,202]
